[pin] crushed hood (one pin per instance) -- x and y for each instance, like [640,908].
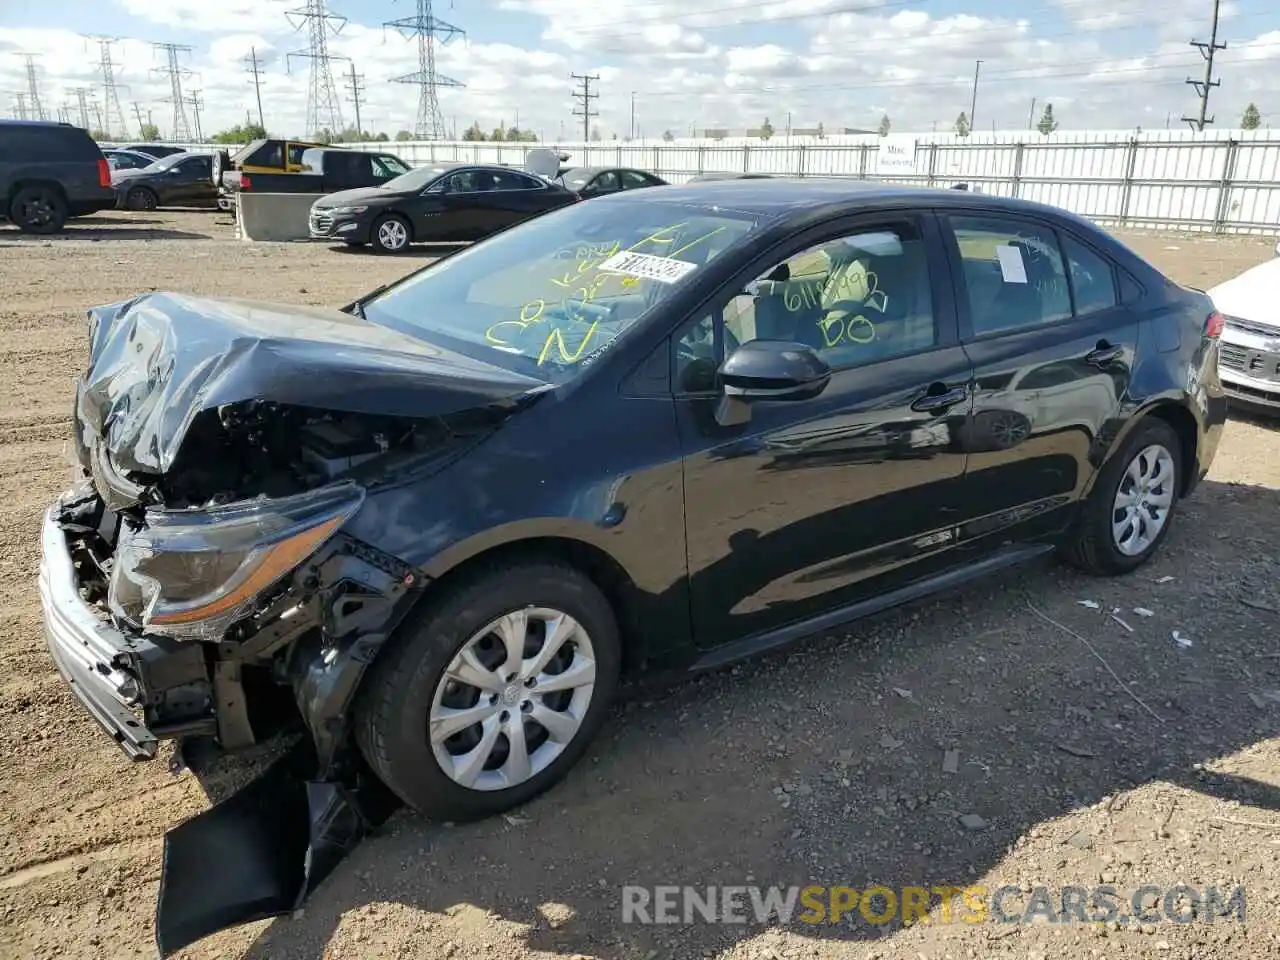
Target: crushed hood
[1254,295]
[159,360]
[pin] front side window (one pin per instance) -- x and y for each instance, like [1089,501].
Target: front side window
[631,179]
[1013,274]
[544,297]
[296,150]
[857,299]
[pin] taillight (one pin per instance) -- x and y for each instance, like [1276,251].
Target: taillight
[104,173]
[244,182]
[1213,326]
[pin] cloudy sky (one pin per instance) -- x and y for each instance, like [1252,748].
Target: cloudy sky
[844,63]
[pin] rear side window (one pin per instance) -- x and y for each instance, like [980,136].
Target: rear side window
[1014,275]
[631,179]
[1093,281]
[508,180]
[296,150]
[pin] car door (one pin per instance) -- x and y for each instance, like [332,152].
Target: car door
[813,505]
[1052,348]
[518,197]
[445,211]
[182,184]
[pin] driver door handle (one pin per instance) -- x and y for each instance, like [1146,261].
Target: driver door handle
[1103,354]
[939,398]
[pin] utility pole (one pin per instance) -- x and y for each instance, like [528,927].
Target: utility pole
[973,101]
[633,114]
[1202,87]
[353,82]
[1031,116]
[585,96]
[255,69]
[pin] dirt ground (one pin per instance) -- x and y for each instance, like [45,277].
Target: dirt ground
[823,765]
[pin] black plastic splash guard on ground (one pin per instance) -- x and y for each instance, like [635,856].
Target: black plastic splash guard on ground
[261,852]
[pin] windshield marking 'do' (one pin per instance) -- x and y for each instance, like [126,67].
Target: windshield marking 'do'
[611,262]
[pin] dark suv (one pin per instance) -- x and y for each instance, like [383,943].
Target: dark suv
[48,172]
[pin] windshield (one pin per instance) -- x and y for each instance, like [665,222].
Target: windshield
[544,297]
[164,163]
[416,179]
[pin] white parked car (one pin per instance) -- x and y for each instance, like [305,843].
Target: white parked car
[1249,358]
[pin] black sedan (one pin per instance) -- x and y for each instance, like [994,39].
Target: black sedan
[659,431]
[441,203]
[156,150]
[178,180]
[597,181]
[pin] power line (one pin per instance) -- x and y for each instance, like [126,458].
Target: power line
[1008,74]
[585,96]
[33,105]
[181,130]
[256,70]
[324,108]
[427,29]
[113,116]
[357,88]
[1202,87]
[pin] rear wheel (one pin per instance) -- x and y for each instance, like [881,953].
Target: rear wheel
[390,234]
[495,694]
[141,198]
[38,210]
[1131,507]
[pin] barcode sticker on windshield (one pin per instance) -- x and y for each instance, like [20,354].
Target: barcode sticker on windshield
[662,269]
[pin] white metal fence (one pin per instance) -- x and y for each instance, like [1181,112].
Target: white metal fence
[1222,181]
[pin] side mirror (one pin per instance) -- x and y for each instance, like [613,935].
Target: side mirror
[768,370]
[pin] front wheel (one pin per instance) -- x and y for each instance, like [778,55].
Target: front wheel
[495,694]
[390,234]
[1130,510]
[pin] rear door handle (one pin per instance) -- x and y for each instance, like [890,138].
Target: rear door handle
[933,401]
[1104,353]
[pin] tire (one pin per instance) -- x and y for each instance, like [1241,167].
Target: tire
[386,230]
[1094,547]
[40,210]
[401,692]
[141,198]
[219,165]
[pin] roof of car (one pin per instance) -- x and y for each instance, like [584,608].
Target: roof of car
[775,197]
[38,123]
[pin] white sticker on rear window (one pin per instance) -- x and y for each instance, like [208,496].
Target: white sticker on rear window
[648,267]
[1011,266]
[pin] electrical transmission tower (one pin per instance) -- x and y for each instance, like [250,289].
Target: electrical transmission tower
[252,61]
[20,106]
[33,108]
[112,115]
[427,28]
[181,131]
[196,100]
[356,86]
[1202,87]
[585,96]
[137,112]
[82,95]
[324,107]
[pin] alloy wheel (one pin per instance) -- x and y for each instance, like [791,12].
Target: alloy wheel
[393,235]
[1143,501]
[512,699]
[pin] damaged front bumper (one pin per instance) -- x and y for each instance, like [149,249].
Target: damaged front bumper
[100,663]
[260,852]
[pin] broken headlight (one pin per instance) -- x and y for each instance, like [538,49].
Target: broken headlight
[195,572]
